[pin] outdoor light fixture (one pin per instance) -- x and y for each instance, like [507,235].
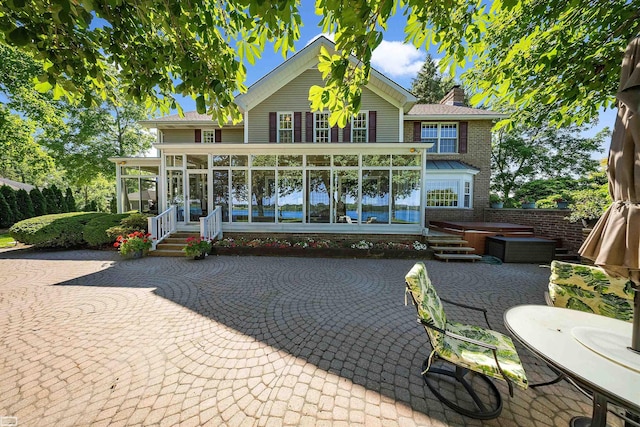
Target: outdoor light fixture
[412,150]
[123,162]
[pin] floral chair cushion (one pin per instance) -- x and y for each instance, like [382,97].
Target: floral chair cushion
[461,353]
[429,305]
[480,359]
[589,288]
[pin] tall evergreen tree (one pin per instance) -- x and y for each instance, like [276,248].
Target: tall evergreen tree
[25,206]
[70,200]
[52,203]
[6,216]
[57,198]
[39,202]
[10,196]
[430,86]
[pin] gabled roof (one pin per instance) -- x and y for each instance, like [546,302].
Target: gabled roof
[308,58]
[190,118]
[446,111]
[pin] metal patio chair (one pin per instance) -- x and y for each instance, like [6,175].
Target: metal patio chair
[470,349]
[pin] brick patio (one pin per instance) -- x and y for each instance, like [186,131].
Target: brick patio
[89,339]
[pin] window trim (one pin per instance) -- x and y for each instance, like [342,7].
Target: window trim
[208,136]
[366,126]
[462,179]
[278,129]
[439,138]
[316,129]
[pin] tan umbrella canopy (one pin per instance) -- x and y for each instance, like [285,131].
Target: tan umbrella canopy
[614,243]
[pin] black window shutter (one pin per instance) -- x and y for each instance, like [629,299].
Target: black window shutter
[218,135]
[346,133]
[272,127]
[297,126]
[372,126]
[198,135]
[334,134]
[462,141]
[417,131]
[308,125]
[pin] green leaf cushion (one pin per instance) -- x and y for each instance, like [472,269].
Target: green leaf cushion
[428,303]
[479,359]
[591,289]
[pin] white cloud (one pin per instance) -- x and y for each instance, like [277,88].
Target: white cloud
[397,59]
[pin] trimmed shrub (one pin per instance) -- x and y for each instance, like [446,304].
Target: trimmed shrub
[39,203]
[10,197]
[95,232]
[53,231]
[133,222]
[5,213]
[25,206]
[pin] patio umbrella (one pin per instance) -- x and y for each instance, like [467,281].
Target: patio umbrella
[614,243]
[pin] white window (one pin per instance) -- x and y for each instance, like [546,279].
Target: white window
[444,137]
[359,127]
[321,127]
[450,192]
[209,136]
[285,127]
[160,137]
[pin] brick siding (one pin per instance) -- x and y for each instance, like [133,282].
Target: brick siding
[478,155]
[547,223]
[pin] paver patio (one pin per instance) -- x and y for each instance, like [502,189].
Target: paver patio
[89,339]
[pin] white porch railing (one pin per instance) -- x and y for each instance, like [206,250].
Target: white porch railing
[211,225]
[161,226]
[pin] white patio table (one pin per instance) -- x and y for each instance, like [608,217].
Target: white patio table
[589,348]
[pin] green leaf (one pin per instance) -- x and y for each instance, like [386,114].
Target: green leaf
[201,107]
[19,36]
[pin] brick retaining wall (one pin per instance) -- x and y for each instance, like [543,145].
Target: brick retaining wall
[548,223]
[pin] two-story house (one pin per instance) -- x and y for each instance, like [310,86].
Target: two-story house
[395,166]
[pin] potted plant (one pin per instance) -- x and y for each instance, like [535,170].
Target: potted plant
[197,247]
[496,201]
[527,203]
[133,245]
[562,202]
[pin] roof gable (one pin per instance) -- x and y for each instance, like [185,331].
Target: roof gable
[308,58]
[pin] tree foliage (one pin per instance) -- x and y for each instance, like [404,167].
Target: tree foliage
[430,86]
[39,202]
[558,56]
[6,215]
[525,154]
[24,204]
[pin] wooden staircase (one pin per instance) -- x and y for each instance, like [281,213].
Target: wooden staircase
[172,245]
[451,247]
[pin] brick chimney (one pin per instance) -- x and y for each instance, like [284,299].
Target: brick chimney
[454,97]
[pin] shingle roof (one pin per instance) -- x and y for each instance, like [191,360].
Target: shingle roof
[448,165]
[16,185]
[442,109]
[188,116]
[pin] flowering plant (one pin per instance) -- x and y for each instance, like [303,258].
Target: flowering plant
[197,246]
[362,244]
[137,241]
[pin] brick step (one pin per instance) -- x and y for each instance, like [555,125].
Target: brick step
[566,257]
[452,241]
[562,251]
[181,240]
[183,235]
[452,249]
[170,246]
[457,257]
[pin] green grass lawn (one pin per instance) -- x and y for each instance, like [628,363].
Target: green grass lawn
[6,241]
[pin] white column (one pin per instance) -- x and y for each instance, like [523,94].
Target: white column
[118,187]
[400,124]
[246,127]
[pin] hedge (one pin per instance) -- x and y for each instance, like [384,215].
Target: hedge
[53,231]
[95,232]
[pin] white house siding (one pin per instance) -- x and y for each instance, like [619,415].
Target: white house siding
[293,97]
[172,136]
[229,135]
